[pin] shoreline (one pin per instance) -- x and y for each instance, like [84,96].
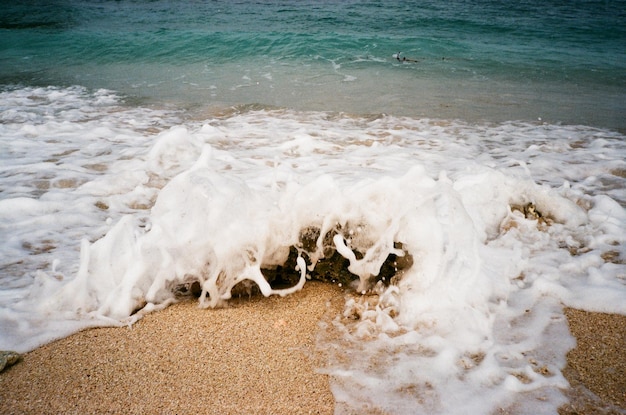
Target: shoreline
[256,355]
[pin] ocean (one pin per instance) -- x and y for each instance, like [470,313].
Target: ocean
[558,61]
[463,162]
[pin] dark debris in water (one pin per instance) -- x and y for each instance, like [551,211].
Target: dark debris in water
[619,172]
[612,257]
[332,267]
[530,212]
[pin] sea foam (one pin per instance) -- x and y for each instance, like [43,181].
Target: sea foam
[489,231]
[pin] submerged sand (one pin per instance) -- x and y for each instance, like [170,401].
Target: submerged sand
[257,356]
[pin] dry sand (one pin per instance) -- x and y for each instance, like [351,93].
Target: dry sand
[255,356]
[596,368]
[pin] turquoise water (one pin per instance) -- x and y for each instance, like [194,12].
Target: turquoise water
[558,61]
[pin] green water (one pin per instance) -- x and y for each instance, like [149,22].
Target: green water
[561,61]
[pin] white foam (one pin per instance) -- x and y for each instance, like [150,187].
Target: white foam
[108,210]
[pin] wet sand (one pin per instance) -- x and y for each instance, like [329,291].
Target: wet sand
[254,357]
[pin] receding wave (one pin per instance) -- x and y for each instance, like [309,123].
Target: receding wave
[460,242]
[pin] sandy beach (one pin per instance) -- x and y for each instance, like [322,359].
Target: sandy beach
[255,356]
[597,366]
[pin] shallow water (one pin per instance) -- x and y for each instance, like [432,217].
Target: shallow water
[487,60]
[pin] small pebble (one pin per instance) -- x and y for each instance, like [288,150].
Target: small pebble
[8,358]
